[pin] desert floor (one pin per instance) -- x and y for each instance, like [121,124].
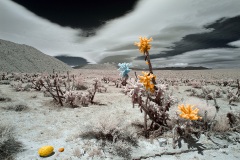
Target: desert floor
[46,123]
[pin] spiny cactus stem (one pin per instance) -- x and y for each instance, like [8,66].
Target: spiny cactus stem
[238,88]
[149,62]
[150,68]
[145,117]
[59,98]
[136,76]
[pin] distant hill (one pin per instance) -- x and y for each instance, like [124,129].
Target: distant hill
[22,58]
[72,61]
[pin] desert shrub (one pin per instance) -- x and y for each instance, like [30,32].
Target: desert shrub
[81,87]
[96,151]
[79,84]
[19,86]
[234,121]
[4,98]
[9,145]
[113,137]
[222,124]
[18,107]
[17,77]
[196,84]
[77,152]
[5,82]
[122,149]
[27,87]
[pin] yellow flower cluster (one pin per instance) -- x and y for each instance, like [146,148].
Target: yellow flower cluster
[143,45]
[146,80]
[188,112]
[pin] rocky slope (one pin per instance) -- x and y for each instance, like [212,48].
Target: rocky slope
[22,58]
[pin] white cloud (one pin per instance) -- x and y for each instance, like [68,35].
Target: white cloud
[235,44]
[206,57]
[167,21]
[21,26]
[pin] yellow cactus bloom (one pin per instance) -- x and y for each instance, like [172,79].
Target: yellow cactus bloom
[146,80]
[45,151]
[188,112]
[143,45]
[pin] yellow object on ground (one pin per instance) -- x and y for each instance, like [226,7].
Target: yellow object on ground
[45,151]
[60,149]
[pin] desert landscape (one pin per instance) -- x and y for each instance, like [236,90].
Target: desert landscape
[120,80]
[109,127]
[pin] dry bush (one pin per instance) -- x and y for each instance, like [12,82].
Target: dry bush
[95,152]
[196,84]
[222,124]
[18,107]
[234,120]
[79,84]
[4,99]
[9,146]
[122,149]
[111,134]
[81,87]
[4,82]
[77,152]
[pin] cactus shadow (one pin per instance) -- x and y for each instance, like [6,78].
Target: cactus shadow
[192,143]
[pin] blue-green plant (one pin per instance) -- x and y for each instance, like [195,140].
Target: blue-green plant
[124,70]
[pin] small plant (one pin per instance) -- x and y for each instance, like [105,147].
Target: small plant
[77,152]
[4,99]
[79,84]
[112,136]
[4,82]
[124,70]
[9,145]
[186,126]
[16,107]
[234,121]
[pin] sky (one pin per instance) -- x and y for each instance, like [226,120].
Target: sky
[185,33]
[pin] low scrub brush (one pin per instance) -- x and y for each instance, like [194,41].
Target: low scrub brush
[9,146]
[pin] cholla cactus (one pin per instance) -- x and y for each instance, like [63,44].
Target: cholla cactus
[196,84]
[38,83]
[152,98]
[96,86]
[70,97]
[124,70]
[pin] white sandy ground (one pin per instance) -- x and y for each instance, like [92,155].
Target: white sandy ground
[45,123]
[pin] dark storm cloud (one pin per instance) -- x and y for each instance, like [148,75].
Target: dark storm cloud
[211,58]
[223,32]
[183,31]
[84,14]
